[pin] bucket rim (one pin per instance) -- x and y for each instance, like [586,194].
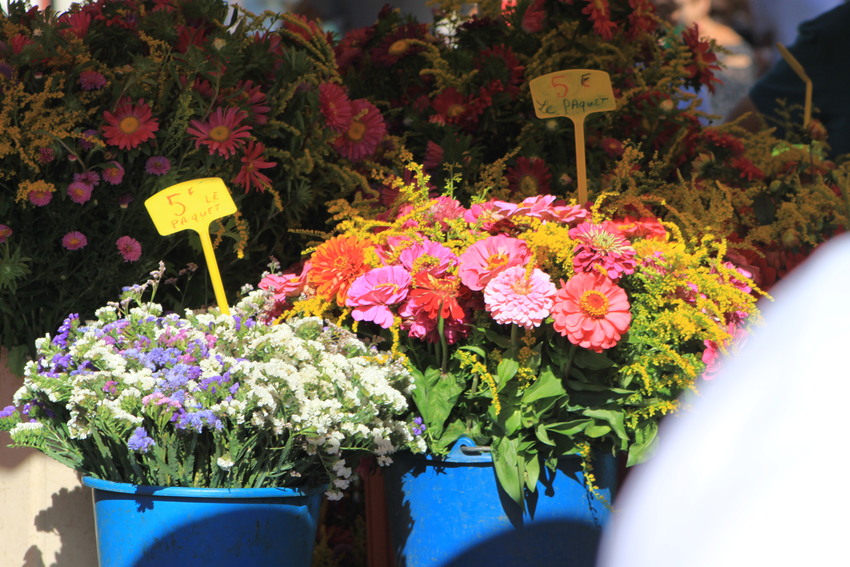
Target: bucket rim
[198,492]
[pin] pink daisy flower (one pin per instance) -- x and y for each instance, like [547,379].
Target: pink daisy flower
[372,293]
[88,177]
[157,165]
[335,106]
[5,232]
[591,311]
[74,240]
[79,192]
[129,248]
[427,256]
[130,125]
[483,261]
[602,247]
[366,130]
[113,173]
[223,133]
[515,297]
[249,175]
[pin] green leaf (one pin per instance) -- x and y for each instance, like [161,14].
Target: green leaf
[506,370]
[435,396]
[568,428]
[595,431]
[547,386]
[644,443]
[614,418]
[506,464]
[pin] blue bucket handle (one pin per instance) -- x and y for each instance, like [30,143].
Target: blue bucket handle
[466,451]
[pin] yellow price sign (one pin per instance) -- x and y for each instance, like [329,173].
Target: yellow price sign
[573,93]
[193,205]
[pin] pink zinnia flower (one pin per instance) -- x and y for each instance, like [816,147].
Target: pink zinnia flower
[5,232]
[157,165]
[286,285]
[644,227]
[372,293]
[129,248]
[45,155]
[366,131]
[591,311]
[335,106]
[483,260]
[515,297]
[491,216]
[79,192]
[74,240]
[92,80]
[40,197]
[223,133]
[130,125]
[113,173]
[427,256]
[602,247]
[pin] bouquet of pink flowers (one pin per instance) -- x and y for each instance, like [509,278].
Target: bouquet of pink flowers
[539,328]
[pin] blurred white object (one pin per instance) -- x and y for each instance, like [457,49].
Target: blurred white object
[755,473]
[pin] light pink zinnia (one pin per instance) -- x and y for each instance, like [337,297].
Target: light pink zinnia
[591,311]
[372,293]
[129,248]
[427,256]
[515,297]
[74,240]
[602,246]
[483,261]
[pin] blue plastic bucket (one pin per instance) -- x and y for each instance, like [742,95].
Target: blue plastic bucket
[149,526]
[451,512]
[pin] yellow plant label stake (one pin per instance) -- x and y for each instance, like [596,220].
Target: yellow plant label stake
[795,65]
[194,205]
[573,93]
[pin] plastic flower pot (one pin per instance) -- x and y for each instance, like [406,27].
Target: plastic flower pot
[451,512]
[149,526]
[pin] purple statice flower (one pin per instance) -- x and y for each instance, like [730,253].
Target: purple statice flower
[196,421]
[234,388]
[8,411]
[86,139]
[110,387]
[140,441]
[420,428]
[61,362]
[61,338]
[210,383]
[177,376]
[159,357]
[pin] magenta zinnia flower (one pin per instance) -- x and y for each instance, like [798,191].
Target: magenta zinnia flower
[92,80]
[157,165]
[223,132]
[483,261]
[515,297]
[74,240]
[602,247]
[130,125]
[591,311]
[5,232]
[79,192]
[129,248]
[372,293]
[364,133]
[113,173]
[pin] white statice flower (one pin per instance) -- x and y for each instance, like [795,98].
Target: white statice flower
[115,410]
[384,461]
[224,463]
[141,378]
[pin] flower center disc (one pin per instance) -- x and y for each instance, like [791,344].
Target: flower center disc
[594,304]
[129,124]
[399,47]
[220,133]
[356,131]
[455,110]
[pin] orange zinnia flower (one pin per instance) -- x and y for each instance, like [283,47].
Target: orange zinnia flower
[336,264]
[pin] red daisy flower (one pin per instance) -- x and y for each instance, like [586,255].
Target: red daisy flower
[366,131]
[641,20]
[335,106]
[249,95]
[398,44]
[223,132]
[451,107]
[749,170]
[705,61]
[130,125]
[534,17]
[599,12]
[529,177]
[252,162]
